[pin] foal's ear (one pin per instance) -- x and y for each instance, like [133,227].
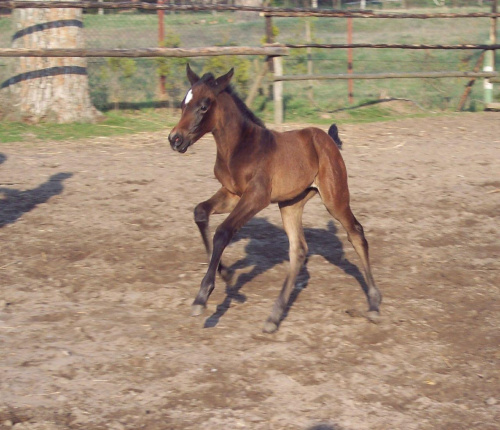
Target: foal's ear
[222,82]
[193,77]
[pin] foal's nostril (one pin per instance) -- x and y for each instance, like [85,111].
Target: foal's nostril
[175,140]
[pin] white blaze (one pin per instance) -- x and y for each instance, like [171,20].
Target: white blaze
[189,97]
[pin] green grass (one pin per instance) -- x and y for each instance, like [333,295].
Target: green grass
[115,123]
[224,28]
[118,123]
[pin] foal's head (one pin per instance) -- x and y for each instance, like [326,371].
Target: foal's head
[198,108]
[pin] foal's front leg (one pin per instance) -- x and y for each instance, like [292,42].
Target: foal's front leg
[255,198]
[221,202]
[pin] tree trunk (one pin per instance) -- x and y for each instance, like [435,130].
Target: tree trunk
[248,16]
[249,2]
[48,89]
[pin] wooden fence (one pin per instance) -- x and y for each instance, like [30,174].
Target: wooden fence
[266,11]
[272,51]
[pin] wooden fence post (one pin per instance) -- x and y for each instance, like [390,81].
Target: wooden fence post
[350,84]
[278,91]
[489,61]
[310,90]
[493,31]
[468,88]
[161,40]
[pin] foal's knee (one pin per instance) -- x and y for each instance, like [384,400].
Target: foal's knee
[300,250]
[357,234]
[303,251]
[201,214]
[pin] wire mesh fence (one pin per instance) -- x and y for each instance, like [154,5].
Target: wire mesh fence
[122,82]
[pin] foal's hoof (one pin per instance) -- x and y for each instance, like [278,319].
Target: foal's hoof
[270,327]
[197,310]
[373,316]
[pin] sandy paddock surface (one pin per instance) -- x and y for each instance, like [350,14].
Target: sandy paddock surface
[101,259]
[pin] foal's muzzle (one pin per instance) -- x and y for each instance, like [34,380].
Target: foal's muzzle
[178,142]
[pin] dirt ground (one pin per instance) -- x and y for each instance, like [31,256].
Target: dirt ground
[101,260]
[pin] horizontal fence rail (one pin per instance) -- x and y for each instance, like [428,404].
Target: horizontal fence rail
[408,75]
[372,14]
[390,45]
[267,11]
[270,51]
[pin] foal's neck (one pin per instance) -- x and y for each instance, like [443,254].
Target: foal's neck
[232,126]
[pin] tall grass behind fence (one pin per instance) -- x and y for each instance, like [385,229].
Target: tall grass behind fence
[434,94]
[118,82]
[187,30]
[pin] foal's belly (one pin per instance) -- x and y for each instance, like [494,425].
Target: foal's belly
[294,170]
[289,193]
[288,184]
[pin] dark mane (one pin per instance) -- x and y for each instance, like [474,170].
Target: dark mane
[247,113]
[209,78]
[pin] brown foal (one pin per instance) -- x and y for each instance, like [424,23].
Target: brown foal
[257,166]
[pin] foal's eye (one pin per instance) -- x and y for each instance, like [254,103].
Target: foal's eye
[204,105]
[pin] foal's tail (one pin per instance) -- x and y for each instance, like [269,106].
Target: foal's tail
[333,132]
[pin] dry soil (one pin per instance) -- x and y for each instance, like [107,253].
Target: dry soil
[101,259]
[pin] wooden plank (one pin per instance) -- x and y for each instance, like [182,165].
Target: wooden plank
[270,51]
[269,11]
[387,76]
[390,45]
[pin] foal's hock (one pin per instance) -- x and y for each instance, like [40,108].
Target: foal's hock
[257,166]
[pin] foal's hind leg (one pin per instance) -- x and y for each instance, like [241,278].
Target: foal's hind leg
[336,199]
[221,202]
[357,238]
[291,213]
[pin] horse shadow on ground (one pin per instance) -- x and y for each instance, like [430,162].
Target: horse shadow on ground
[325,427]
[15,203]
[268,247]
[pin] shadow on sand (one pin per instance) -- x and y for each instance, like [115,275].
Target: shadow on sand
[15,203]
[268,247]
[325,427]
